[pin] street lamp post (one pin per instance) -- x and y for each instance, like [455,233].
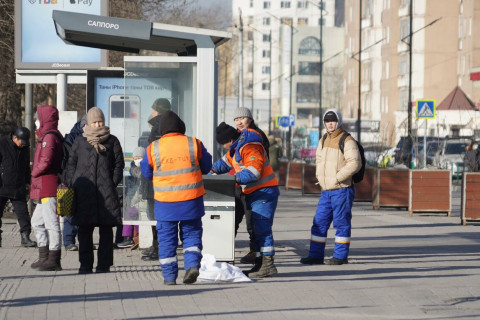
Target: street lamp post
[289,137]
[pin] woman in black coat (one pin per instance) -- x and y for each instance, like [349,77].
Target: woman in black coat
[95,168]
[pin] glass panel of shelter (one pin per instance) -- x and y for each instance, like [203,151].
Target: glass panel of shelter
[145,82]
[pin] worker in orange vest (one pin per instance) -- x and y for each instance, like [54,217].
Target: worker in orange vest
[260,186]
[175,163]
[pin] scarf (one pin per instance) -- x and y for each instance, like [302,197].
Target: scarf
[95,136]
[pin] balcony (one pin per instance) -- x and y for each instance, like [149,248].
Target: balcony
[366,86]
[402,47]
[403,11]
[402,81]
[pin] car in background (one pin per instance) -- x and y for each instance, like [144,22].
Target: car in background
[451,155]
[406,146]
[419,154]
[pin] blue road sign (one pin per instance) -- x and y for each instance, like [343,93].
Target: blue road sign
[426,109]
[292,120]
[284,121]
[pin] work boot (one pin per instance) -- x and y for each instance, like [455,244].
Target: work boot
[26,242]
[169,283]
[249,257]
[267,269]
[42,257]
[336,262]
[310,260]
[147,251]
[191,276]
[256,267]
[53,261]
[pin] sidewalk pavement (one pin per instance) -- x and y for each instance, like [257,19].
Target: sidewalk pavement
[401,267]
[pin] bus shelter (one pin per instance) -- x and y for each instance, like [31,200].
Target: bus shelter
[187,80]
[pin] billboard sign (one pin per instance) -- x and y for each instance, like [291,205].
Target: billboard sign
[37,45]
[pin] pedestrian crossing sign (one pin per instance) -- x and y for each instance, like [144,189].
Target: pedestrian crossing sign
[426,109]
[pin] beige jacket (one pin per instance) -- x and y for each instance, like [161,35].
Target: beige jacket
[334,168]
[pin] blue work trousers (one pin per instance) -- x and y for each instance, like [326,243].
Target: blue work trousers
[263,204]
[333,205]
[191,232]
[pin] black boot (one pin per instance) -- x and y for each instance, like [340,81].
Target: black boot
[26,242]
[42,257]
[53,262]
[256,267]
[266,270]
[191,276]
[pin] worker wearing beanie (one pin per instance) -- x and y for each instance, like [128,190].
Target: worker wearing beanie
[226,135]
[334,172]
[175,163]
[253,172]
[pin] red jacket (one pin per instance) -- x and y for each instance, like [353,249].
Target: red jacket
[48,155]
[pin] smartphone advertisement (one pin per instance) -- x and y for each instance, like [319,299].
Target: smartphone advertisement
[127,109]
[36,42]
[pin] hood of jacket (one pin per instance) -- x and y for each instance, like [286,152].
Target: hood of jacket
[48,117]
[246,136]
[155,132]
[339,116]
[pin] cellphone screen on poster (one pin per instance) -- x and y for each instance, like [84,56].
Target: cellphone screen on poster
[124,118]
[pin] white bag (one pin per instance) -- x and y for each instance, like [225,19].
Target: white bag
[213,271]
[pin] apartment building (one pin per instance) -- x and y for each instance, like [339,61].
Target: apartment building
[268,30]
[445,54]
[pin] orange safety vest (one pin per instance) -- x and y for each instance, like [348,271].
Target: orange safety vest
[176,168]
[267,176]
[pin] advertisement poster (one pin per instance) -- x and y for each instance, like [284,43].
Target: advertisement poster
[39,40]
[127,109]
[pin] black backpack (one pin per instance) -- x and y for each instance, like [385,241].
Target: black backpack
[65,152]
[358,176]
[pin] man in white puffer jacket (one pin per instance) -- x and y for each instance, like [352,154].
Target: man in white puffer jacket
[334,173]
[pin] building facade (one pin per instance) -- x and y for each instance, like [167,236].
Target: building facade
[262,61]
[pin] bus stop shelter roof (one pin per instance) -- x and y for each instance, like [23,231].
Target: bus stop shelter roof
[130,35]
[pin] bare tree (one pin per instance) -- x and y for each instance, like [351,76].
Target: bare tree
[10,92]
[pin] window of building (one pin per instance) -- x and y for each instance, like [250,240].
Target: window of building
[265,86]
[404,3]
[321,21]
[309,46]
[250,67]
[266,53]
[309,68]
[302,4]
[266,21]
[250,35]
[266,70]
[250,84]
[302,21]
[367,69]
[288,21]
[307,92]
[321,5]
[266,37]
[405,30]
[403,65]
[285,4]
[266,4]
[251,3]
[403,100]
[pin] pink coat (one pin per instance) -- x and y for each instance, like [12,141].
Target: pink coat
[48,155]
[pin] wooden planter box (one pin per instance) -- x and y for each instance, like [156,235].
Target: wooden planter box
[294,175]
[310,180]
[470,197]
[391,188]
[430,191]
[282,172]
[364,189]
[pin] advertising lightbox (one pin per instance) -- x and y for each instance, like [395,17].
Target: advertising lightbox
[37,45]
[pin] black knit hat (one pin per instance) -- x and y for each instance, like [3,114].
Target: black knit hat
[330,116]
[226,133]
[171,122]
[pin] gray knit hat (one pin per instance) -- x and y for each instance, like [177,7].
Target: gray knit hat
[242,112]
[139,152]
[161,105]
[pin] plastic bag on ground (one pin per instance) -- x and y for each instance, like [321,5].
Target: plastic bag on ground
[213,271]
